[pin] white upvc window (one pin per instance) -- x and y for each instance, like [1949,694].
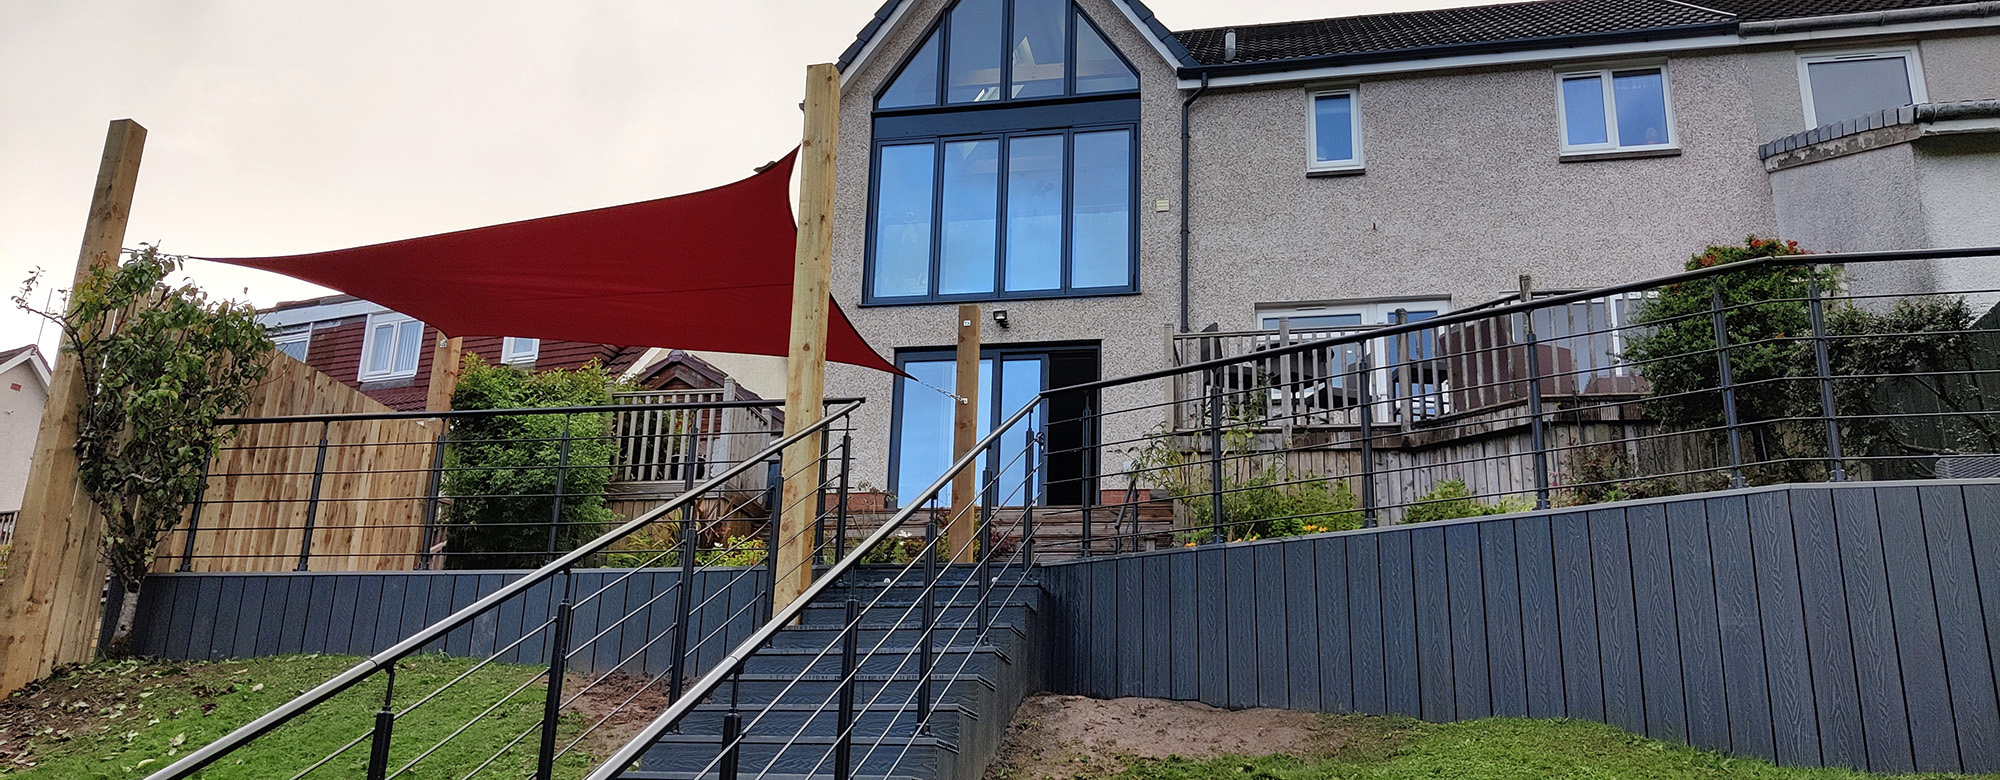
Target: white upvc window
[520,352]
[294,341]
[390,348]
[1333,122]
[1615,109]
[1838,86]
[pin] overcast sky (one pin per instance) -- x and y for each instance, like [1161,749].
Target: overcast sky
[285,127]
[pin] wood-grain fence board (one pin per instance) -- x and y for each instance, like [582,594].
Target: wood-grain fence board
[1967,654]
[1919,643]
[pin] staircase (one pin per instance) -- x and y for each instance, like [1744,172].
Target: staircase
[786,697]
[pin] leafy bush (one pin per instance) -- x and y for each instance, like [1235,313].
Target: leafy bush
[1916,353]
[1271,502]
[1452,499]
[501,471]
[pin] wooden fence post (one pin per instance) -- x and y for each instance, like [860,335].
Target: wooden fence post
[805,360]
[964,434]
[49,605]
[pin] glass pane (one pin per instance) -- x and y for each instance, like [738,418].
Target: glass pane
[903,220]
[923,428]
[1583,111]
[1097,68]
[1101,239]
[382,348]
[917,84]
[1307,321]
[1034,212]
[969,216]
[974,70]
[1038,47]
[1640,97]
[296,348]
[409,336]
[1020,380]
[1333,128]
[1847,89]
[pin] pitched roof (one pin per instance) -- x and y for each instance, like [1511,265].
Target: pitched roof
[1505,27]
[1763,10]
[1401,33]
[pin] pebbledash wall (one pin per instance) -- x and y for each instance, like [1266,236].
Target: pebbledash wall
[1828,625]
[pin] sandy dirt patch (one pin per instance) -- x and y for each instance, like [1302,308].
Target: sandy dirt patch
[1057,737]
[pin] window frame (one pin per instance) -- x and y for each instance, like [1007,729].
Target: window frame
[995,413]
[1313,163]
[1612,144]
[1064,289]
[297,334]
[378,319]
[1913,69]
[509,355]
[940,29]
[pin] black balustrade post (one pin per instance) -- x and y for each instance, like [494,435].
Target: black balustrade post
[1367,441]
[684,598]
[732,745]
[385,725]
[985,536]
[312,500]
[545,759]
[774,493]
[840,516]
[435,491]
[1029,494]
[1718,316]
[1215,517]
[1836,465]
[929,613]
[843,746]
[819,499]
[1536,432]
[1083,481]
[556,506]
[194,519]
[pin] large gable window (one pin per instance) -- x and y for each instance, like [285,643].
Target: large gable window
[1032,194]
[1006,50]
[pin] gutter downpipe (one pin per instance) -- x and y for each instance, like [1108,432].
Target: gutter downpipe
[1186,188]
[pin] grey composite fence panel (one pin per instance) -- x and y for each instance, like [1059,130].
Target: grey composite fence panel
[1843,625]
[203,616]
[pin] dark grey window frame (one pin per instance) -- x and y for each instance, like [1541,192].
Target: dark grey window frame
[941,28]
[999,292]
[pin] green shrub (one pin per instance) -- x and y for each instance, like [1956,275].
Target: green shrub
[1452,499]
[501,471]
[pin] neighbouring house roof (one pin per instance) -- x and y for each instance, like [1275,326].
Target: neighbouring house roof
[1521,26]
[690,370]
[31,355]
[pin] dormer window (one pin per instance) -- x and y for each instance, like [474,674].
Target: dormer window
[1004,50]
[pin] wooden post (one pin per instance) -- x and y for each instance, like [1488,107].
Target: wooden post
[965,433]
[805,360]
[446,360]
[49,606]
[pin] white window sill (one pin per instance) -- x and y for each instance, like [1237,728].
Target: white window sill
[1618,154]
[1333,171]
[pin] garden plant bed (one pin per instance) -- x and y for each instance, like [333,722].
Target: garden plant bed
[1072,738]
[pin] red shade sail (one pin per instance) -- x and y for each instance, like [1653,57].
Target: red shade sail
[710,270]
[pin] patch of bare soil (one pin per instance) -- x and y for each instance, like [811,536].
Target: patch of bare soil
[1056,737]
[624,702]
[81,701]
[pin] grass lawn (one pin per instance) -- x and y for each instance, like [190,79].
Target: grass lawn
[1378,748]
[120,720]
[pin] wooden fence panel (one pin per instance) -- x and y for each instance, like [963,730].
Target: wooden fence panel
[373,489]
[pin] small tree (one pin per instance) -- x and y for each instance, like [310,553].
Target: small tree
[159,363]
[502,471]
